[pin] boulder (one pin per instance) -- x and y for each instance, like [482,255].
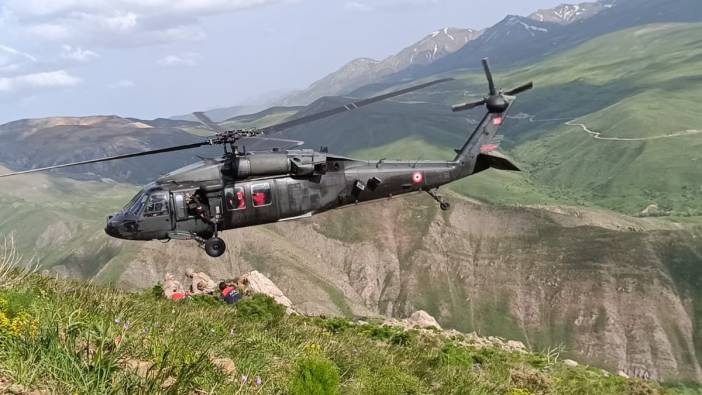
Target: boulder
[570,363]
[258,283]
[422,319]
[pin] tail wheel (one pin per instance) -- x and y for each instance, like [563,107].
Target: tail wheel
[215,247]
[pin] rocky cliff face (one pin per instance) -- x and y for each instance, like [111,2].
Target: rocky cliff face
[605,286]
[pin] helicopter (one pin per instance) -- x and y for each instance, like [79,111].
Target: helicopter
[246,188]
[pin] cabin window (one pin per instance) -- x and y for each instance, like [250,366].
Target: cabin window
[235,198]
[156,206]
[261,195]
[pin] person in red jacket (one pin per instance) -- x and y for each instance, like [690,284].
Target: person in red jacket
[230,294]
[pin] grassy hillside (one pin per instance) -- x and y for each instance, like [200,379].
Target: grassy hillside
[107,341]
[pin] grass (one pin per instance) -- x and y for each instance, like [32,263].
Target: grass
[88,339]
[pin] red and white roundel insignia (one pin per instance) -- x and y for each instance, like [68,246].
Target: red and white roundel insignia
[417,177]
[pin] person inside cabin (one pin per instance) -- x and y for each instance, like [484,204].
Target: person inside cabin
[259,199]
[240,199]
[197,207]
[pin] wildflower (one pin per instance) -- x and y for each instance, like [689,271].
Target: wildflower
[244,379]
[258,380]
[118,321]
[126,325]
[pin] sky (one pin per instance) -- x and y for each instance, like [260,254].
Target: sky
[155,58]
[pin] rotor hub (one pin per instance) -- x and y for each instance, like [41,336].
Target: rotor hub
[497,104]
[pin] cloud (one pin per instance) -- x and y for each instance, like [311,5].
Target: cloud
[357,6]
[13,60]
[78,54]
[38,81]
[188,59]
[123,84]
[118,23]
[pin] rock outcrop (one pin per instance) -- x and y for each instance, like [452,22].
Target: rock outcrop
[258,283]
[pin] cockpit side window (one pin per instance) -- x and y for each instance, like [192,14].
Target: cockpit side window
[156,206]
[235,198]
[261,195]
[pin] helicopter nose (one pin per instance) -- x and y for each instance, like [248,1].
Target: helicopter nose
[112,228]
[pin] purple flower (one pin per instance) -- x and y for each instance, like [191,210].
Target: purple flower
[244,378]
[118,321]
[126,325]
[258,380]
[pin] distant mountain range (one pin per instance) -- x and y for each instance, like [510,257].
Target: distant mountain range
[515,40]
[33,143]
[568,13]
[364,71]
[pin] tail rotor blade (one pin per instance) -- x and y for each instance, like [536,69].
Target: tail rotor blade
[467,106]
[520,89]
[488,74]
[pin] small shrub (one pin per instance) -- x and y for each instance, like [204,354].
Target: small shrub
[390,334]
[335,325]
[260,308]
[388,380]
[157,291]
[531,380]
[452,354]
[315,375]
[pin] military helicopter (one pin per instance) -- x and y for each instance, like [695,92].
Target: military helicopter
[245,188]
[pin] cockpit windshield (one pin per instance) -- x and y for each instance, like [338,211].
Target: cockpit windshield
[136,198]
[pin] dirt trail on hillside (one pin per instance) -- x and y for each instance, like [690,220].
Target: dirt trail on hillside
[598,135]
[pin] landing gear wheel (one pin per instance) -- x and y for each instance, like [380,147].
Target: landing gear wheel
[215,247]
[445,206]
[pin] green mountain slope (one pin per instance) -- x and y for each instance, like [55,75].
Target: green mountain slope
[58,222]
[648,130]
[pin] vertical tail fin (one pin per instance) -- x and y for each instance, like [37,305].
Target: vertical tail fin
[497,104]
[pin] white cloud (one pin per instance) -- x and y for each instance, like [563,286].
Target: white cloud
[123,84]
[357,6]
[13,60]
[188,59]
[38,81]
[78,54]
[118,23]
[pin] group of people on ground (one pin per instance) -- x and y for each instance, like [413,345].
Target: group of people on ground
[229,291]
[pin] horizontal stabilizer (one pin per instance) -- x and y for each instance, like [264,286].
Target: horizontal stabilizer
[495,161]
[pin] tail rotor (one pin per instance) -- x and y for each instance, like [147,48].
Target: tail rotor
[496,102]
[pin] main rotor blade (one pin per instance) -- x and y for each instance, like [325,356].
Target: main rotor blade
[109,158]
[520,89]
[348,107]
[467,106]
[488,74]
[205,120]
